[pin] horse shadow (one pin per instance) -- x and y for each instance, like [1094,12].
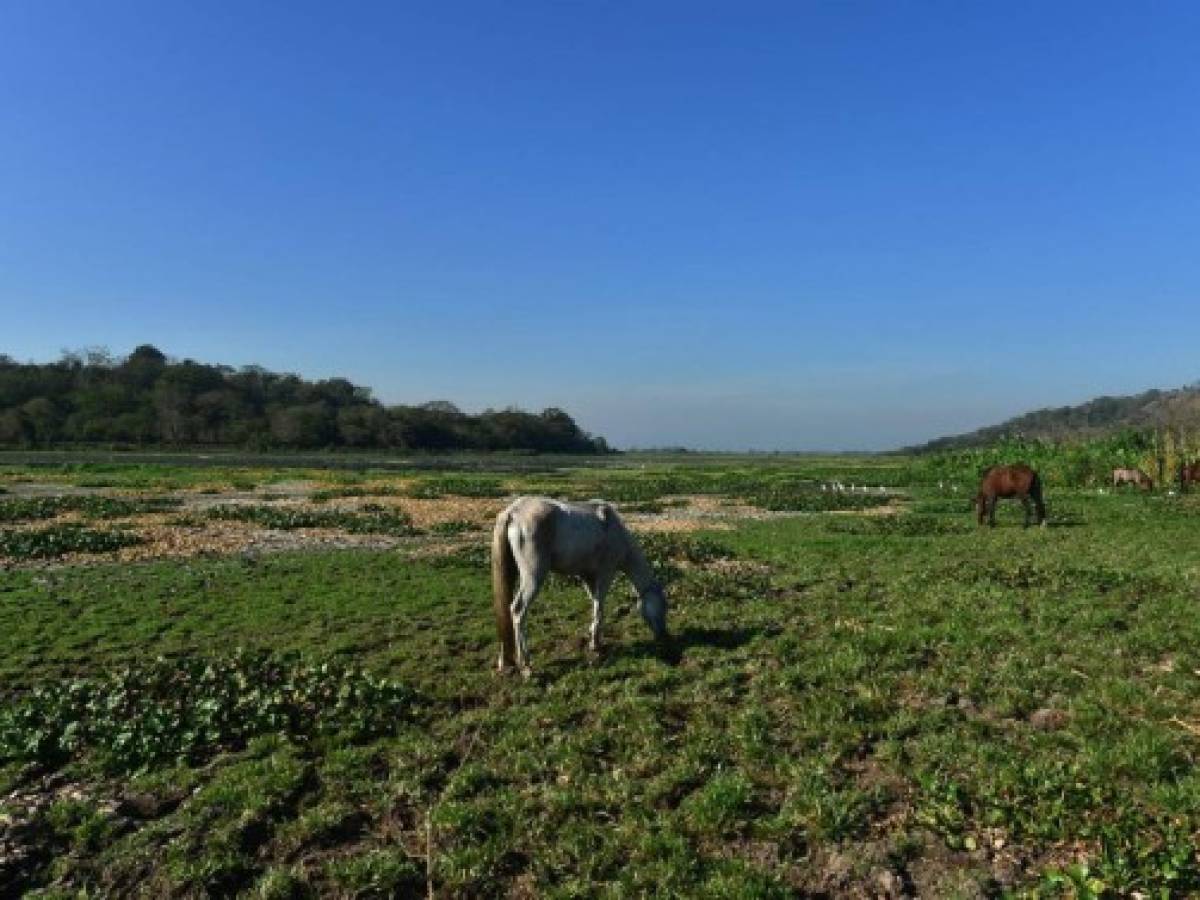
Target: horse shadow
[672,650]
[1075,522]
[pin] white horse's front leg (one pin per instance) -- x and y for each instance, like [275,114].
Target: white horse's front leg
[597,588]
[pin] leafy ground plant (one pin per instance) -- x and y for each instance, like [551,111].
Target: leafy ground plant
[59,540]
[184,710]
[432,487]
[373,521]
[25,509]
[453,527]
[378,490]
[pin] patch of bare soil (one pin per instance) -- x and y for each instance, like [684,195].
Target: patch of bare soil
[23,844]
[890,509]
[664,525]
[204,498]
[244,537]
[187,532]
[25,489]
[883,868]
[698,512]
[445,547]
[704,512]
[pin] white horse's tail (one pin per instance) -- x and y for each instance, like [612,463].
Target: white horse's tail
[504,585]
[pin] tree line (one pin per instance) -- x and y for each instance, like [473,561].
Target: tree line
[1150,411]
[148,399]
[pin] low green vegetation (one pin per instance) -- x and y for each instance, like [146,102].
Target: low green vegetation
[59,540]
[184,710]
[855,702]
[453,527]
[791,499]
[369,521]
[433,487]
[353,490]
[91,506]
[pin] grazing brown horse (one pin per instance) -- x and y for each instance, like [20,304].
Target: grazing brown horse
[1188,473]
[1132,476]
[1018,481]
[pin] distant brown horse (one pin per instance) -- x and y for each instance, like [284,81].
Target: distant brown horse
[1188,473]
[1132,476]
[1018,481]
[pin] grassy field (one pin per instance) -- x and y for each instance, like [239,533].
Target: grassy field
[869,696]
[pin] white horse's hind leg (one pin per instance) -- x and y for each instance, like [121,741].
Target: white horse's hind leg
[533,576]
[520,607]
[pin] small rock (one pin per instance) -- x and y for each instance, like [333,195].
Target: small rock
[889,884]
[141,805]
[1048,719]
[1005,871]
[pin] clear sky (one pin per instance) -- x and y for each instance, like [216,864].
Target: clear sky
[727,225]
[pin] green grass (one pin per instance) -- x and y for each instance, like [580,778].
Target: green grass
[435,486]
[974,711]
[374,520]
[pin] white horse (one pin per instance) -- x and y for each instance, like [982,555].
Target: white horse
[535,536]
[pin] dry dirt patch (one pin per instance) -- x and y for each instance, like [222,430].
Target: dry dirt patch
[186,531]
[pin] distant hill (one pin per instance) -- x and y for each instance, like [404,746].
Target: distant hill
[1096,418]
[148,399]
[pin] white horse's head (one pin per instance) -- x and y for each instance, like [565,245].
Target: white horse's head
[653,606]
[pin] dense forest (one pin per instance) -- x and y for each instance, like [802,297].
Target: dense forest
[1176,411]
[147,399]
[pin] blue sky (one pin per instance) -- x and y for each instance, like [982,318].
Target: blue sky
[727,225]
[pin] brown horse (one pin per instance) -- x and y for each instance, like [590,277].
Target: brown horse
[1018,481]
[1188,473]
[1132,476]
